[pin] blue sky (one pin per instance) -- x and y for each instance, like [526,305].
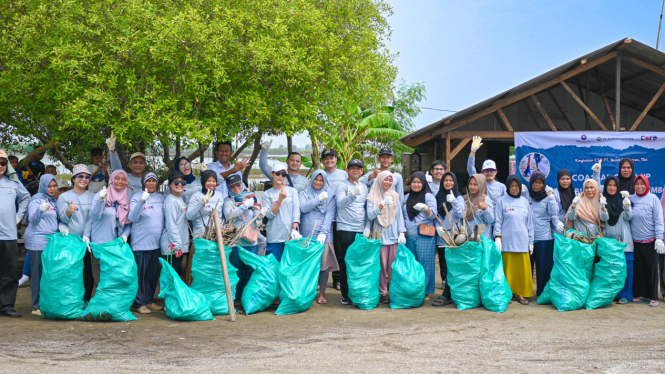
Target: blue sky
[467,51]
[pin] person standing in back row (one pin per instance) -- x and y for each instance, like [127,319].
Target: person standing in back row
[174,241]
[495,189]
[385,162]
[224,168]
[293,162]
[435,174]
[137,165]
[335,177]
[283,213]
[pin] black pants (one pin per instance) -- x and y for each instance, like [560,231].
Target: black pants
[147,263]
[443,267]
[346,238]
[645,273]
[88,280]
[35,276]
[8,273]
[176,263]
[661,265]
[336,245]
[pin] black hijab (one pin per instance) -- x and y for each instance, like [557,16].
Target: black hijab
[509,181]
[627,184]
[537,196]
[417,197]
[566,195]
[204,178]
[614,202]
[441,195]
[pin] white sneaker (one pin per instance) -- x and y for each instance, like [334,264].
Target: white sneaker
[37,312]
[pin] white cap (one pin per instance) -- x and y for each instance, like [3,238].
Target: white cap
[278,167]
[489,164]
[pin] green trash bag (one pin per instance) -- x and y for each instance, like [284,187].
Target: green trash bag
[609,275]
[61,287]
[299,275]
[464,274]
[407,283]
[262,289]
[568,286]
[118,283]
[181,302]
[208,278]
[495,292]
[363,272]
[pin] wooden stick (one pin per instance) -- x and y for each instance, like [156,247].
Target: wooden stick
[225,270]
[452,227]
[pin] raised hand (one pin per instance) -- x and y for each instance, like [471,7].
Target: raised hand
[44,206]
[323,196]
[576,201]
[626,202]
[206,198]
[102,194]
[266,145]
[71,208]
[476,143]
[596,167]
[282,194]
[110,142]
[450,197]
[428,177]
[145,195]
[625,194]
[242,164]
[603,201]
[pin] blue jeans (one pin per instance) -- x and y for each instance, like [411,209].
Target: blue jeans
[26,264]
[276,249]
[627,291]
[244,271]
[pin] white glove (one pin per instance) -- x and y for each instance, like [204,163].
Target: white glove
[18,220]
[440,231]
[356,191]
[530,249]
[550,192]
[401,239]
[145,195]
[266,145]
[603,201]
[44,206]
[366,232]
[206,198]
[321,238]
[323,196]
[626,202]
[476,143]
[497,241]
[388,200]
[110,142]
[428,177]
[264,211]
[560,227]
[625,194]
[450,197]
[248,203]
[295,235]
[660,246]
[524,189]
[63,229]
[124,238]
[576,201]
[102,194]
[420,206]
[86,240]
[596,167]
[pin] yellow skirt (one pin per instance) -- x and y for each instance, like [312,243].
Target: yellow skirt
[517,267]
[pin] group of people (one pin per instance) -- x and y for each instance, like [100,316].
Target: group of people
[332,207]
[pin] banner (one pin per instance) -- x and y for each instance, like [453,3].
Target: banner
[550,152]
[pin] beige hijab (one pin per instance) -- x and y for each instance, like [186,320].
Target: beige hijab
[587,209]
[377,194]
[471,201]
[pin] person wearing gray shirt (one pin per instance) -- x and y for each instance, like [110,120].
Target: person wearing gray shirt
[283,213]
[174,241]
[293,162]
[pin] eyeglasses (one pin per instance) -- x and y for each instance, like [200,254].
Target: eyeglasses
[179,182]
[280,173]
[185,164]
[82,176]
[438,169]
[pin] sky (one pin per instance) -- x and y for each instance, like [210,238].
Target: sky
[467,51]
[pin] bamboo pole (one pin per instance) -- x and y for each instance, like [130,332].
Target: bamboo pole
[225,271]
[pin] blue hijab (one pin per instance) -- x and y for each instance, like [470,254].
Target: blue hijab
[42,193]
[313,193]
[244,193]
[190,177]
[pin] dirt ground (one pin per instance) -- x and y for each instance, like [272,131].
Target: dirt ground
[338,338]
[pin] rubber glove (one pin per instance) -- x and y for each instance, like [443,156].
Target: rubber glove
[110,142]
[355,191]
[124,238]
[321,238]
[530,249]
[603,201]
[44,206]
[266,145]
[401,239]
[576,201]
[660,247]
[626,202]
[366,232]
[440,231]
[476,143]
[295,235]
[248,203]
[625,194]
[550,192]
[450,197]
[197,165]
[63,229]
[524,189]
[102,194]
[264,211]
[428,177]
[86,240]
[145,195]
[596,167]
[206,198]
[420,206]
[388,200]
[323,196]
[497,241]
[560,227]
[18,220]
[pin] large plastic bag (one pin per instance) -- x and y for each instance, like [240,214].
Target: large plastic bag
[407,284]
[118,283]
[464,274]
[495,292]
[609,275]
[363,272]
[568,286]
[61,287]
[181,302]
[262,289]
[299,275]
[208,278]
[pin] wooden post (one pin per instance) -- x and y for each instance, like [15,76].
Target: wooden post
[617,95]
[448,150]
[504,119]
[225,270]
[646,110]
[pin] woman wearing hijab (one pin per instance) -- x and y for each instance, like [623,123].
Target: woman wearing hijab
[450,197]
[109,215]
[618,227]
[588,210]
[174,241]
[383,214]
[513,235]
[626,175]
[479,206]
[201,204]
[564,195]
[545,214]
[193,183]
[420,209]
[647,230]
[317,211]
[42,221]
[146,211]
[240,208]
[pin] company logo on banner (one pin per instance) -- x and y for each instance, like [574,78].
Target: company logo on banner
[549,152]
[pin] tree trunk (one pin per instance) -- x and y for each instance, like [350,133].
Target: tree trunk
[242,148]
[255,154]
[49,145]
[316,162]
[289,143]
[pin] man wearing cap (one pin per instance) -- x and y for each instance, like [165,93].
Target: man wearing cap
[351,218]
[494,189]
[293,162]
[223,166]
[385,161]
[73,209]
[137,164]
[335,177]
[10,216]
[283,212]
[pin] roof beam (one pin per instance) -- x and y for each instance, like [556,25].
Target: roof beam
[644,64]
[607,103]
[504,119]
[586,108]
[533,117]
[543,112]
[560,108]
[458,148]
[646,110]
[482,134]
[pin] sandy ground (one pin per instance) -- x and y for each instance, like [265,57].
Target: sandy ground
[337,338]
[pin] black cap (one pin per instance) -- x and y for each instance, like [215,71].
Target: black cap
[175,174]
[328,152]
[385,151]
[355,162]
[233,179]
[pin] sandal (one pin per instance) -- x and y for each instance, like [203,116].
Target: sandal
[654,303]
[338,287]
[522,300]
[384,299]
[623,301]
[640,300]
[321,300]
[442,301]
